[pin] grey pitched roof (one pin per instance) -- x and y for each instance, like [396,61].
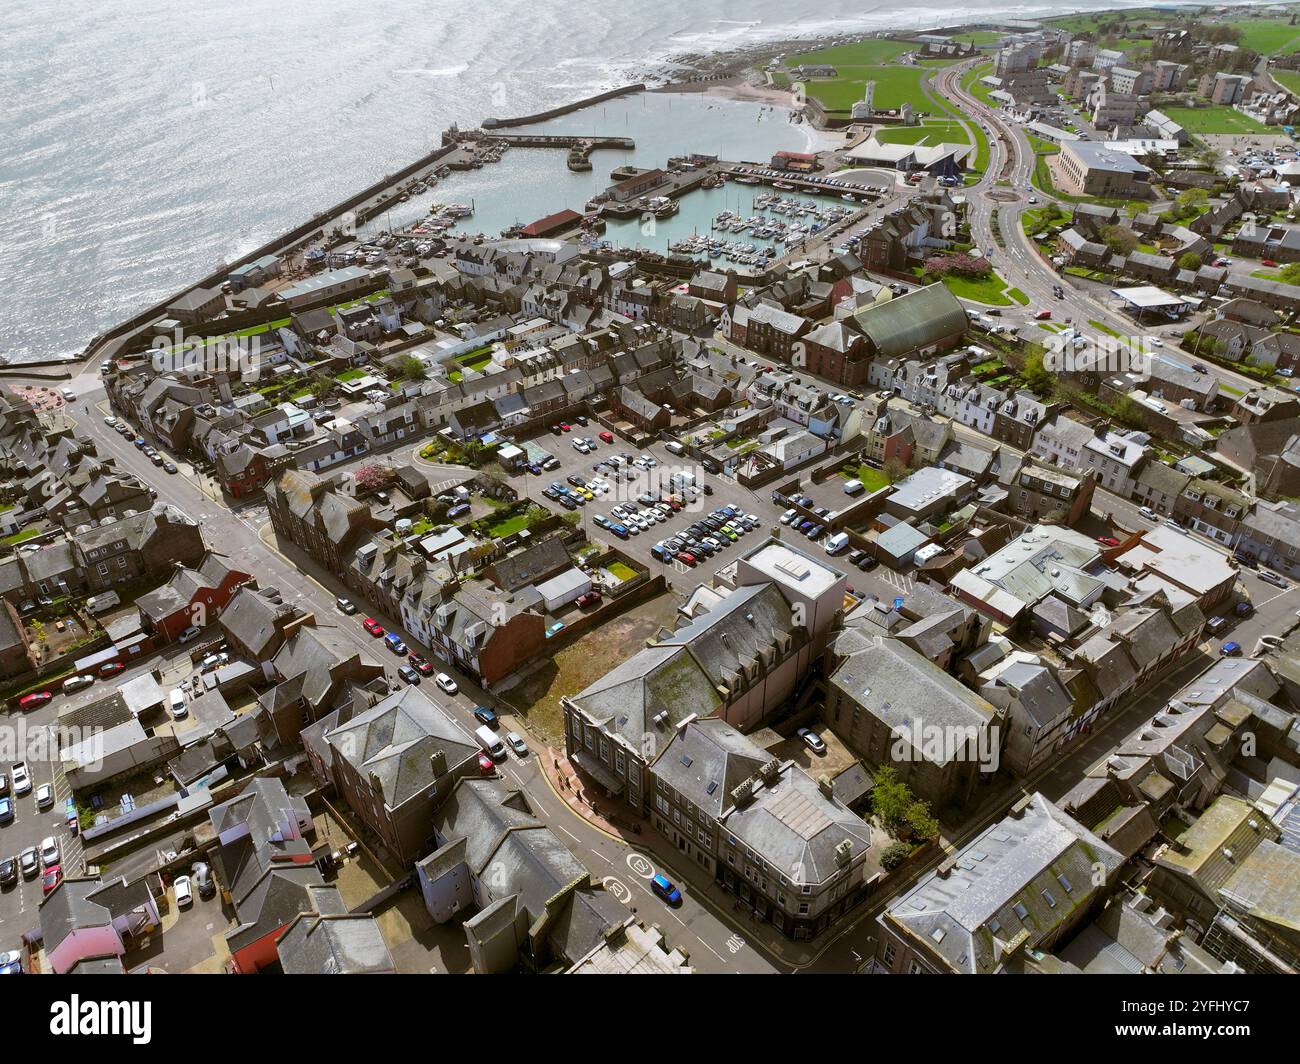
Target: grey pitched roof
[1039,864]
[706,760]
[334,944]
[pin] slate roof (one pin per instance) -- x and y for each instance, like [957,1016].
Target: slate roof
[915,320]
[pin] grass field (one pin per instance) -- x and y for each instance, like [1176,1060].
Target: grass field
[979,37]
[1289,79]
[991,290]
[862,62]
[872,478]
[1268,36]
[1215,120]
[930,133]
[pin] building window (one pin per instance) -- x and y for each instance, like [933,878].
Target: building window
[890,954]
[803,908]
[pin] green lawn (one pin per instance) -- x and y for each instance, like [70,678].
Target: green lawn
[978,37]
[1288,79]
[991,290]
[1100,327]
[1268,36]
[1271,275]
[25,534]
[863,53]
[935,132]
[350,375]
[620,570]
[509,526]
[872,479]
[1216,119]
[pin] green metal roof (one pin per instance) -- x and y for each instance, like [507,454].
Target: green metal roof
[909,322]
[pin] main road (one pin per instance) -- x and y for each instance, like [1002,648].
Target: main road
[1003,192]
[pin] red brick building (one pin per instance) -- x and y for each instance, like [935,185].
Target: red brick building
[190,597]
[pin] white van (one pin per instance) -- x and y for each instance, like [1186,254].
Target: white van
[673,447]
[106,600]
[852,487]
[837,543]
[487,739]
[176,699]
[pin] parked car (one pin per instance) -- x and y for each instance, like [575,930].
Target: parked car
[346,605]
[22,780]
[1108,541]
[6,810]
[607,437]
[183,891]
[8,872]
[1270,577]
[44,796]
[29,863]
[36,698]
[1243,609]
[1215,625]
[812,740]
[486,715]
[203,881]
[1149,513]
[51,880]
[421,665]
[517,744]
[77,683]
[409,675]
[110,668]
[663,888]
[50,854]
[373,627]
[591,598]
[446,683]
[1230,650]
[394,643]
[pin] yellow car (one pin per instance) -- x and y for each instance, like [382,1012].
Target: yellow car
[585,493]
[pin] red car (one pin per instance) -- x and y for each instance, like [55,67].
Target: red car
[373,627]
[36,698]
[110,667]
[1043,315]
[1267,262]
[686,558]
[565,426]
[608,437]
[1108,541]
[52,878]
[591,598]
[423,667]
[673,504]
[486,765]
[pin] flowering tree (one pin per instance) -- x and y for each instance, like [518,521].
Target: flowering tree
[959,264]
[370,477]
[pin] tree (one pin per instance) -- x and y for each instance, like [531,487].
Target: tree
[1291,273]
[1120,240]
[901,813]
[895,469]
[1039,378]
[1190,261]
[370,477]
[411,368]
[1129,411]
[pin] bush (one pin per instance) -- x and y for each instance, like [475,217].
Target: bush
[894,855]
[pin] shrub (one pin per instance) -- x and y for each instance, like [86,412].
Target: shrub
[894,855]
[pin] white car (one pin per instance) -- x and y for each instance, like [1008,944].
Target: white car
[21,778]
[1155,341]
[650,460]
[184,892]
[517,744]
[446,683]
[581,447]
[44,796]
[49,851]
[812,740]
[1149,513]
[788,516]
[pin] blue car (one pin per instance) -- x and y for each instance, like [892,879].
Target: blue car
[486,715]
[6,810]
[663,888]
[1230,650]
[804,526]
[619,530]
[394,643]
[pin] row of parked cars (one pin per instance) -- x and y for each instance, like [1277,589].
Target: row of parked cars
[710,534]
[152,453]
[45,859]
[416,665]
